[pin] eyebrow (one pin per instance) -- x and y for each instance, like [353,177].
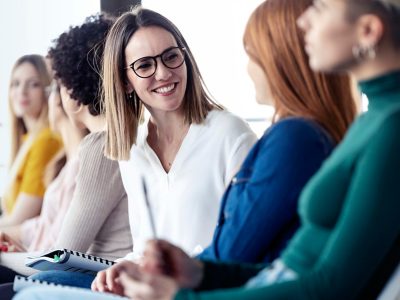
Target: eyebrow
[149,56]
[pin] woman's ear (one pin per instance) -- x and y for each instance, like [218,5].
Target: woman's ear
[129,88]
[370,30]
[79,107]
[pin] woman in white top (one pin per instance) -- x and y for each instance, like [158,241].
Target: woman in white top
[187,150]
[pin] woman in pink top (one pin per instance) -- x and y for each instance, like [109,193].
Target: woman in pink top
[40,233]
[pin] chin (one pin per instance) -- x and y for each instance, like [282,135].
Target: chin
[318,67]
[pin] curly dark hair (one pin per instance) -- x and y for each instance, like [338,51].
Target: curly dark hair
[76,59]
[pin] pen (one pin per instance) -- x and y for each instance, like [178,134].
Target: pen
[149,211]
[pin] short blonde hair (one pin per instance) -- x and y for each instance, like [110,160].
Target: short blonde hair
[124,112]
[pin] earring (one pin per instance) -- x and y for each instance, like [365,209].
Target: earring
[130,95]
[360,52]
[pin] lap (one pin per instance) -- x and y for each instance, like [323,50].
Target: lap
[74,279]
[6,291]
[7,275]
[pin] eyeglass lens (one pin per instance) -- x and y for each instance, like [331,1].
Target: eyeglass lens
[146,66]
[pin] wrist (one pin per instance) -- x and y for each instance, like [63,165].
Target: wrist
[198,274]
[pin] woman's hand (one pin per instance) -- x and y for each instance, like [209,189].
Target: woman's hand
[7,244]
[109,279]
[138,284]
[163,258]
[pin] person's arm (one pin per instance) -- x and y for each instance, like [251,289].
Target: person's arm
[29,200]
[260,206]
[97,192]
[26,207]
[367,228]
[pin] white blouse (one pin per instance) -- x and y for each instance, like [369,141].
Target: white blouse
[185,201]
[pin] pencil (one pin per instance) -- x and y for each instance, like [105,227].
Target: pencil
[149,211]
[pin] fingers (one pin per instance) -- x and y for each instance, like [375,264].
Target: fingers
[109,280]
[111,275]
[157,257]
[133,288]
[148,287]
[7,244]
[99,283]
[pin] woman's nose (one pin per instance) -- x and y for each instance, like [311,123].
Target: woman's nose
[162,72]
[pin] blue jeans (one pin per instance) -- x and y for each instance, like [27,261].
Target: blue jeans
[65,278]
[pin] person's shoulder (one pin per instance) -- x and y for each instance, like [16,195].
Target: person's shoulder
[47,138]
[298,125]
[301,130]
[93,145]
[94,139]
[390,124]
[46,134]
[227,121]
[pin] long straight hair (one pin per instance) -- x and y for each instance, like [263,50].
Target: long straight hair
[18,128]
[273,40]
[20,150]
[124,112]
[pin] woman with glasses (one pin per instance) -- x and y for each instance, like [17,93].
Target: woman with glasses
[186,150]
[33,143]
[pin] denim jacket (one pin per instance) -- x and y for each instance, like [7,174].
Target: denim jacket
[258,213]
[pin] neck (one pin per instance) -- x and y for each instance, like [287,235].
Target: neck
[95,123]
[384,63]
[72,137]
[167,127]
[29,122]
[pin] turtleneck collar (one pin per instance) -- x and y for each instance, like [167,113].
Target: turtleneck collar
[383,90]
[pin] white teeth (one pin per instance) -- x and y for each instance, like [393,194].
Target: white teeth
[165,89]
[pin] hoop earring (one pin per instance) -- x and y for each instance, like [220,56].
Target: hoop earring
[360,52]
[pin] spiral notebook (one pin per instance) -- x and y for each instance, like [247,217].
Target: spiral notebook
[68,260]
[21,283]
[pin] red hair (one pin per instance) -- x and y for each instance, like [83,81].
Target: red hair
[273,40]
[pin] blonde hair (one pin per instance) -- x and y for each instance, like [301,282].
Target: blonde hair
[19,150]
[18,128]
[124,112]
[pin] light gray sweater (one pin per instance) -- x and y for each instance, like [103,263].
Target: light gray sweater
[97,220]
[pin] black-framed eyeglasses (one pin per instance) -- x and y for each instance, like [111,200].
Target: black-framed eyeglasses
[145,67]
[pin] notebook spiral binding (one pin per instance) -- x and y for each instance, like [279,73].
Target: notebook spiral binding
[21,282]
[90,257]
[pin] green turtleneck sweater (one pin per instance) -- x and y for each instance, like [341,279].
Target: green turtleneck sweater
[350,212]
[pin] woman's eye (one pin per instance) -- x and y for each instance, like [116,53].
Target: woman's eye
[14,84]
[34,84]
[143,65]
[170,57]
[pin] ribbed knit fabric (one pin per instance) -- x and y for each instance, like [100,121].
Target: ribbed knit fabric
[97,220]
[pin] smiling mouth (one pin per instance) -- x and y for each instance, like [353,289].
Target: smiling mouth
[166,89]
